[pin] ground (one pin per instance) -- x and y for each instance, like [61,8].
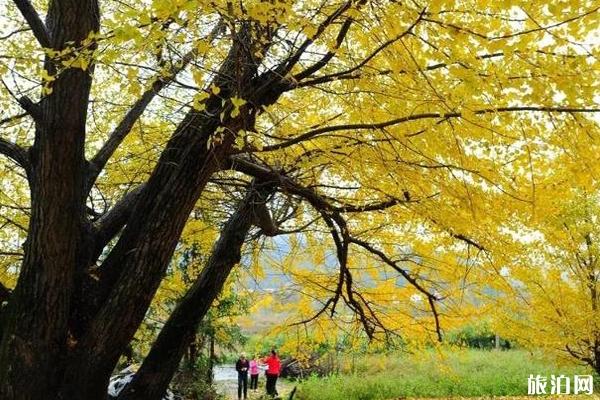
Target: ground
[229,389]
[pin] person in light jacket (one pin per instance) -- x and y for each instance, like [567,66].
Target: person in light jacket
[254,373]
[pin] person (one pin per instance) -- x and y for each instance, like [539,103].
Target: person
[273,370]
[254,373]
[241,366]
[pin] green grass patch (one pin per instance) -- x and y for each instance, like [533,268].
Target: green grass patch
[468,373]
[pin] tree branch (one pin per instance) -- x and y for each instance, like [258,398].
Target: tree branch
[115,139]
[329,55]
[99,161]
[354,73]
[380,206]
[33,19]
[460,236]
[431,298]
[26,104]
[12,118]
[351,73]
[342,238]
[32,108]
[16,153]
[287,66]
[323,62]
[113,221]
[264,220]
[579,356]
[397,121]
[270,175]
[4,293]
[157,370]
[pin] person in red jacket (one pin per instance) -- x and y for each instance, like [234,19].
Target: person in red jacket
[273,370]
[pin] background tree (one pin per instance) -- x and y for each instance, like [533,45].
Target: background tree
[557,281]
[403,132]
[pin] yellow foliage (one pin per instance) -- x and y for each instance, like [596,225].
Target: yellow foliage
[474,118]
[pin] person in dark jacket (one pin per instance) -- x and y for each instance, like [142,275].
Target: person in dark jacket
[241,366]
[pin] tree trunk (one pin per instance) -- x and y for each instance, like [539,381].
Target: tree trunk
[153,378]
[140,259]
[69,344]
[192,354]
[35,333]
[211,359]
[133,270]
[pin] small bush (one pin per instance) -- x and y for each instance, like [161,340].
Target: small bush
[201,390]
[477,337]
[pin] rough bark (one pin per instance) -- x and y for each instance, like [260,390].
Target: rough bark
[36,320]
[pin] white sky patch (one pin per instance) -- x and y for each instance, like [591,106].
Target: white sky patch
[416,298]
[526,236]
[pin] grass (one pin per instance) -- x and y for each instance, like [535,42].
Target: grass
[562,397]
[458,373]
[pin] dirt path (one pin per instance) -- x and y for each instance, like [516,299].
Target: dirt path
[229,389]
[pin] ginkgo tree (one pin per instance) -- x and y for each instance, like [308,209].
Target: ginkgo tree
[402,133]
[552,295]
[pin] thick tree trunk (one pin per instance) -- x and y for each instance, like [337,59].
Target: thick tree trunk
[50,337]
[35,332]
[133,270]
[142,254]
[153,378]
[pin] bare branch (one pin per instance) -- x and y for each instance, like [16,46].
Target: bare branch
[431,298]
[309,71]
[293,60]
